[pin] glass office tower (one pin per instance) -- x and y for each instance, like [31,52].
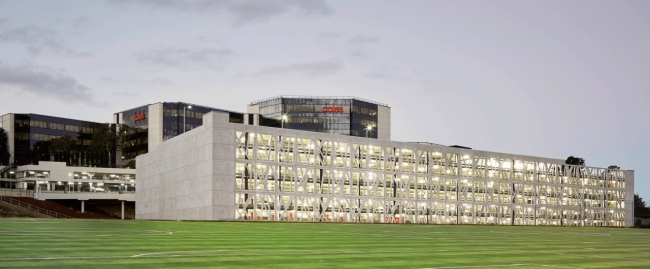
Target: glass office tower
[336,115]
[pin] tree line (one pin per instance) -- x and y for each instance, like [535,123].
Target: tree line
[104,144]
[4,148]
[103,147]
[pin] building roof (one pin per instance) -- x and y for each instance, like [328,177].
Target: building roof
[213,108]
[317,97]
[50,116]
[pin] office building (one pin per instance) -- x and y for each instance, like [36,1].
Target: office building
[24,131]
[335,115]
[149,125]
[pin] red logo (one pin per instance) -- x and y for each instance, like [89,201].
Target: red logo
[139,116]
[332,109]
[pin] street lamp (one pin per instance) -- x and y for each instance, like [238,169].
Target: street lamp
[284,118]
[188,107]
[369,128]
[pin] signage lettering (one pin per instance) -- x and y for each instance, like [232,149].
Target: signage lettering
[332,109]
[139,116]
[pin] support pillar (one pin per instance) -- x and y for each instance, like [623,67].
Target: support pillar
[82,205]
[122,209]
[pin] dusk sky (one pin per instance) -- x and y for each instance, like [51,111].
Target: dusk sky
[539,78]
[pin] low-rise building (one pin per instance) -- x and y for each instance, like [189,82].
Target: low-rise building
[57,181]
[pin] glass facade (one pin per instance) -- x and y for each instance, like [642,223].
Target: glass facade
[326,115]
[135,130]
[33,128]
[173,118]
[78,181]
[135,124]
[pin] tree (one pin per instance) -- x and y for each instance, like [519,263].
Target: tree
[64,149]
[640,208]
[85,150]
[130,164]
[4,148]
[613,167]
[40,151]
[638,202]
[575,161]
[104,143]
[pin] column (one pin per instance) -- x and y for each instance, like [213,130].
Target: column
[122,209]
[82,206]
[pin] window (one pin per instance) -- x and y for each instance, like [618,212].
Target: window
[38,124]
[42,137]
[22,123]
[72,128]
[171,112]
[22,136]
[87,130]
[57,126]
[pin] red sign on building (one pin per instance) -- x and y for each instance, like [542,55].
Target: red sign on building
[139,116]
[332,109]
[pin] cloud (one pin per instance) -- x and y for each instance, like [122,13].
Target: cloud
[329,35]
[80,21]
[125,94]
[212,58]
[135,80]
[45,82]
[362,39]
[326,67]
[358,54]
[38,39]
[379,75]
[160,82]
[244,10]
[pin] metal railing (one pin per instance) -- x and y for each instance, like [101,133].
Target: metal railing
[5,169]
[16,192]
[33,208]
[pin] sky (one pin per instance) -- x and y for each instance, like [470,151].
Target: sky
[540,78]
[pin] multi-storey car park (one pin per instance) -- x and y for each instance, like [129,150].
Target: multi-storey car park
[227,171]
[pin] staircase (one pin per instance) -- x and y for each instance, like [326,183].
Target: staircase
[33,208]
[7,168]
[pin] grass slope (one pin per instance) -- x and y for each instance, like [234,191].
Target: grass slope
[57,243]
[8,210]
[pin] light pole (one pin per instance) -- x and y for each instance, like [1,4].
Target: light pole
[188,107]
[369,128]
[284,118]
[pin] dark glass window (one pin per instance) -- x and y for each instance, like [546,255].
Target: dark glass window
[33,128]
[134,126]
[338,116]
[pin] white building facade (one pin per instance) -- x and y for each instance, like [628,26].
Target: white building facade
[228,171]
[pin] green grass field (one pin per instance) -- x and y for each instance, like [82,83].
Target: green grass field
[56,243]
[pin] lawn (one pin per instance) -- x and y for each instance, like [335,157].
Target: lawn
[56,243]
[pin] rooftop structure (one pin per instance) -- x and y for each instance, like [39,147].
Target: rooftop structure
[326,114]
